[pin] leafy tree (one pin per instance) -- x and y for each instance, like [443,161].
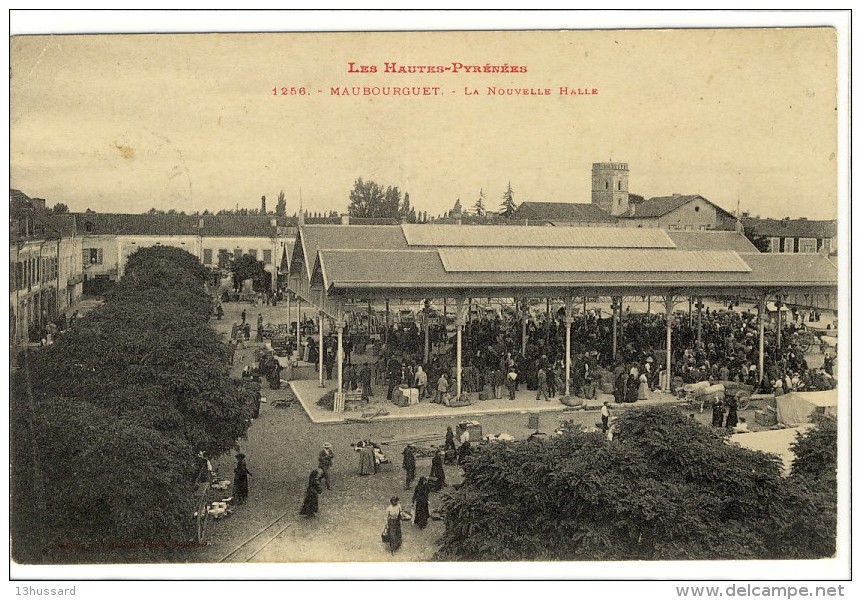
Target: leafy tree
[59,209]
[122,402]
[368,199]
[665,488]
[224,259]
[761,242]
[457,209]
[479,204]
[281,205]
[406,213]
[248,267]
[508,205]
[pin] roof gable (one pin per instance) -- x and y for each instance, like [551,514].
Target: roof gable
[563,211]
[662,205]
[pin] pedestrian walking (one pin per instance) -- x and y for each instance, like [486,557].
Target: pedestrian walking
[420,499]
[511,383]
[392,533]
[240,479]
[605,417]
[542,385]
[324,461]
[409,465]
[311,502]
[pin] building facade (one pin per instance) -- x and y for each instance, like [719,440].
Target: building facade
[109,239]
[44,267]
[793,236]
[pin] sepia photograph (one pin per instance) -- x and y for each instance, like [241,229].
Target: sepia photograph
[408,300]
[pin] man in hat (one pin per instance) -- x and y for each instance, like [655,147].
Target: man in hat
[324,461]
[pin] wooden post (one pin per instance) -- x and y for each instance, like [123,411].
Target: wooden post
[621,335]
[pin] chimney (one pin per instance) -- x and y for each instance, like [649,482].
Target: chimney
[263,204]
[345,219]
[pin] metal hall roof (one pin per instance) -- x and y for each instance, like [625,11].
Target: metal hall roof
[583,260]
[536,237]
[343,270]
[364,261]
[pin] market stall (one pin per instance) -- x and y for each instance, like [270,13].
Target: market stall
[797,408]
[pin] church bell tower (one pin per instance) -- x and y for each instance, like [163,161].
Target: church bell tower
[610,187]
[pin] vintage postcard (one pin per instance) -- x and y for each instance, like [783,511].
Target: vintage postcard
[527,302]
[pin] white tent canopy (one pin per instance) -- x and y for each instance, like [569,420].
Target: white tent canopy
[796,408]
[776,441]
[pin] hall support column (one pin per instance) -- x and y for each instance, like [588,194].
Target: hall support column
[699,320]
[668,302]
[615,326]
[525,317]
[761,326]
[339,392]
[459,366]
[320,342]
[289,301]
[779,306]
[427,337]
[547,328]
[569,318]
[299,326]
[585,324]
[621,334]
[387,322]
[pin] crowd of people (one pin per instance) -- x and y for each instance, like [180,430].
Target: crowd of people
[717,345]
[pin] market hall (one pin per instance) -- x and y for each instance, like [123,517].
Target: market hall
[333,265]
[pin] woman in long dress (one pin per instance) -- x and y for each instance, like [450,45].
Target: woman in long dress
[393,524]
[643,390]
[420,499]
[240,479]
[366,459]
[437,472]
[311,504]
[717,413]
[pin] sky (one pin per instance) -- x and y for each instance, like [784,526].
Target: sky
[125,123]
